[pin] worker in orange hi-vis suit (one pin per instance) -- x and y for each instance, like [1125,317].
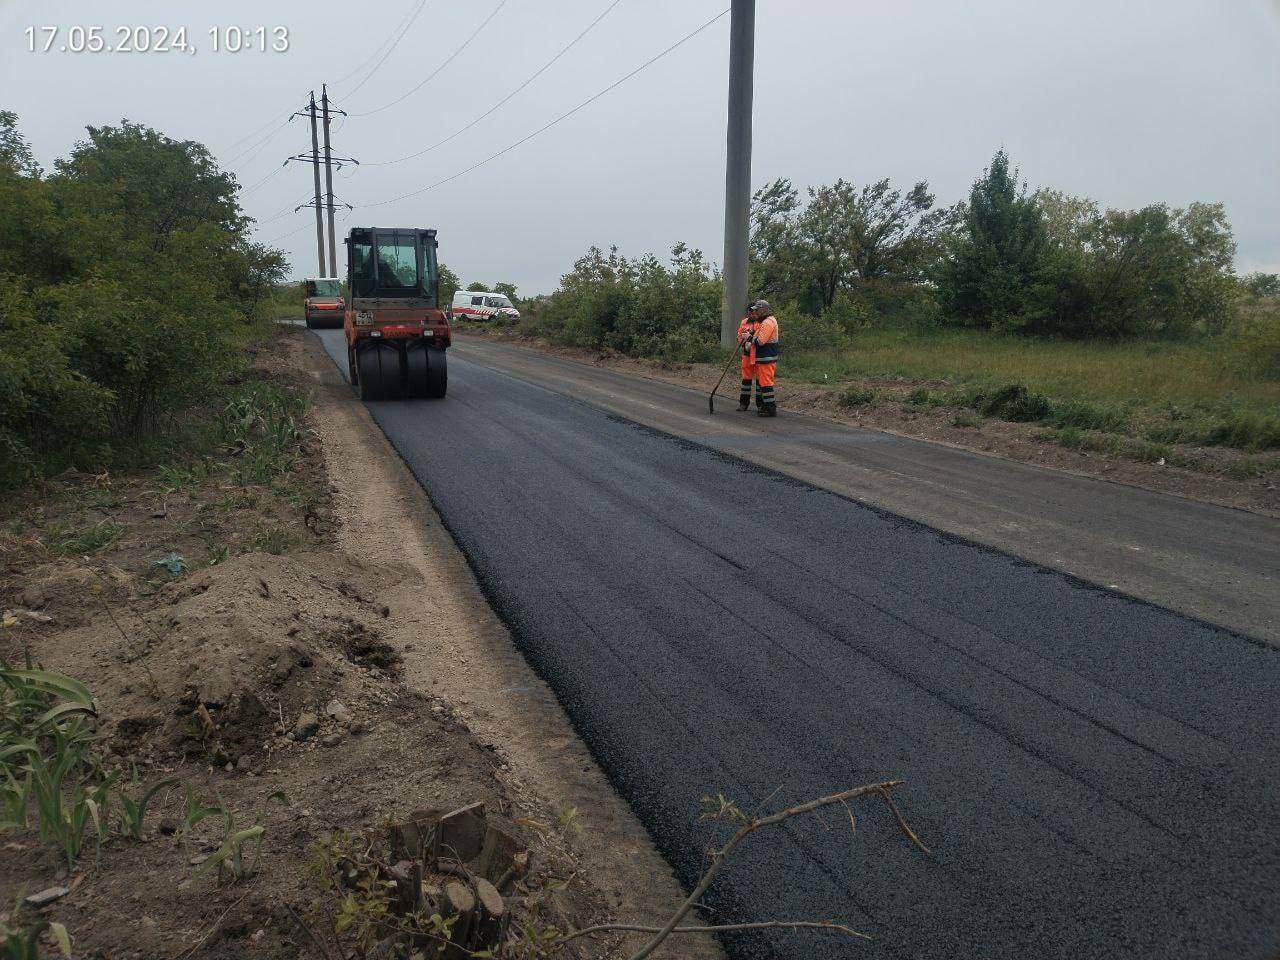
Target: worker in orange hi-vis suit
[758,335]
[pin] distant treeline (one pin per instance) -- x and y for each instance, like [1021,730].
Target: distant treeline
[842,257]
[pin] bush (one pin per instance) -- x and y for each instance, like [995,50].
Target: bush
[802,331]
[639,307]
[856,396]
[1246,430]
[1012,402]
[1088,416]
[924,397]
[121,301]
[1241,429]
[1257,337]
[1057,265]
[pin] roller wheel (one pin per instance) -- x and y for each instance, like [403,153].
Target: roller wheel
[416,370]
[437,372]
[310,325]
[378,369]
[352,374]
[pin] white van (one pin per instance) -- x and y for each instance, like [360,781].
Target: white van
[483,305]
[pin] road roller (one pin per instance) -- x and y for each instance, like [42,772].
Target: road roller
[397,333]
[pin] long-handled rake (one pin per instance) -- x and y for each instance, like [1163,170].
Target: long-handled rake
[711,400]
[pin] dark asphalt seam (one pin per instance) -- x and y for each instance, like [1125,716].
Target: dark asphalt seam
[780,645]
[974,658]
[960,709]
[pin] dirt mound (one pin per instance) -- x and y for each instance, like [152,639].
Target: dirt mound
[231,657]
[232,681]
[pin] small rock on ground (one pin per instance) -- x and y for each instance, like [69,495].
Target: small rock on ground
[45,897]
[306,727]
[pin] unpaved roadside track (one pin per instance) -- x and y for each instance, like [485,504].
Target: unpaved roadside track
[466,655]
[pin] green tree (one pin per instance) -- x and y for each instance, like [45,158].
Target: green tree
[127,286]
[1161,272]
[1154,272]
[843,240]
[159,185]
[1262,285]
[15,152]
[449,284]
[995,274]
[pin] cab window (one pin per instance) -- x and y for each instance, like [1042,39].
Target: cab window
[397,262]
[362,283]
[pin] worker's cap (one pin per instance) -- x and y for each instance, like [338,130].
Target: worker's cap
[760,306]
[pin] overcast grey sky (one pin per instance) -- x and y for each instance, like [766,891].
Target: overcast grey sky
[1130,103]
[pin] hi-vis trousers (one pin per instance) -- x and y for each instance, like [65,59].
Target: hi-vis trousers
[762,374]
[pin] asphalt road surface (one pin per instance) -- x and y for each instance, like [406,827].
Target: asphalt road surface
[1214,563]
[1095,776]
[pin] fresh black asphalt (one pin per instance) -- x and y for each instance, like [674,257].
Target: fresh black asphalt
[1095,777]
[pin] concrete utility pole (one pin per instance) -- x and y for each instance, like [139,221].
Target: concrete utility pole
[737,180]
[328,182]
[323,201]
[315,167]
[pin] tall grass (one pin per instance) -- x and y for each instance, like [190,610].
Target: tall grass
[1144,373]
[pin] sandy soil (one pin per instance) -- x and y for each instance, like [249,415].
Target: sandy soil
[357,671]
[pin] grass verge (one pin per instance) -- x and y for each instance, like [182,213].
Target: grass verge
[1158,395]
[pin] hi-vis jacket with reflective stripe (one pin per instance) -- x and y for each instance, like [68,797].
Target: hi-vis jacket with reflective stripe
[765,349]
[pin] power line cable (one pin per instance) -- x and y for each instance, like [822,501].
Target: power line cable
[404,31]
[255,186]
[267,243]
[403,25]
[564,116]
[291,208]
[249,136]
[431,76]
[247,156]
[253,148]
[540,71]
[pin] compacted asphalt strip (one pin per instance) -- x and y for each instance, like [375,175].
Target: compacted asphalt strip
[1209,562]
[1094,776]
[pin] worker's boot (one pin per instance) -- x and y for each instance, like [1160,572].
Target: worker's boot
[767,410]
[744,404]
[744,397]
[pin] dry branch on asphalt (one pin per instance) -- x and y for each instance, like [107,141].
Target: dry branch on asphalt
[720,858]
